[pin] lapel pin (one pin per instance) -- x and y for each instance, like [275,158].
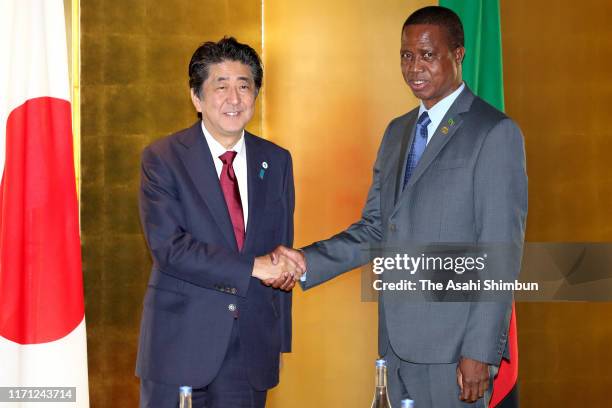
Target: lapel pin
[451,122]
[262,172]
[444,130]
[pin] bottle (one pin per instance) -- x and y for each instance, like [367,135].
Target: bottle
[185,397]
[381,398]
[407,403]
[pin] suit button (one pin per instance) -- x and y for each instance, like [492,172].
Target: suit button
[231,307]
[393,227]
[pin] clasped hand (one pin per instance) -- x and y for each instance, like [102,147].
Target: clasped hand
[281,268]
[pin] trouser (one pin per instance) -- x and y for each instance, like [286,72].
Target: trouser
[429,385]
[230,388]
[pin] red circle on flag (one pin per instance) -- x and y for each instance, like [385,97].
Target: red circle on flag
[41,283]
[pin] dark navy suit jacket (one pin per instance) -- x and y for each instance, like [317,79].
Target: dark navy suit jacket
[199,279]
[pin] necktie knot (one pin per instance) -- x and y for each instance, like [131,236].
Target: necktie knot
[424,120]
[228,157]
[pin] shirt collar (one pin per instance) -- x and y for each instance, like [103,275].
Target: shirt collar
[436,113]
[217,149]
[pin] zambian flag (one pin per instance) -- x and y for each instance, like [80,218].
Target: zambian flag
[483,72]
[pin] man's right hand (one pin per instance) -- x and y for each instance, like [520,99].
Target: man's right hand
[283,269]
[287,282]
[293,254]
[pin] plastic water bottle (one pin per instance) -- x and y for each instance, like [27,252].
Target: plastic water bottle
[381,397]
[185,397]
[407,403]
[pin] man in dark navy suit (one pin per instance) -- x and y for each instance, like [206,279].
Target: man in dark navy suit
[215,200]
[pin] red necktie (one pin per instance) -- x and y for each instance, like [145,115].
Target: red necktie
[229,185]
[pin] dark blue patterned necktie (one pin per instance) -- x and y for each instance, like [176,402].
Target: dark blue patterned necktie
[418,145]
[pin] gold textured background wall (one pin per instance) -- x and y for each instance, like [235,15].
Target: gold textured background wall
[135,55]
[334,83]
[557,60]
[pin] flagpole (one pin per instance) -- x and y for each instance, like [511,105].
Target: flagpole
[75,88]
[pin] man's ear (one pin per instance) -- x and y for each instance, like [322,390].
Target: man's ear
[195,99]
[459,54]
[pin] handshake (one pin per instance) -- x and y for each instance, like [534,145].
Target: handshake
[281,268]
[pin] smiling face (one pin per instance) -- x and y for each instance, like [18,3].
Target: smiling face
[430,67]
[227,100]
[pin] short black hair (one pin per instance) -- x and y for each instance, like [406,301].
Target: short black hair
[441,17]
[226,49]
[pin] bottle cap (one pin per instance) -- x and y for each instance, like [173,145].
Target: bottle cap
[381,363]
[407,403]
[185,389]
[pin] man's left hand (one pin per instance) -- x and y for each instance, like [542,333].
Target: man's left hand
[473,379]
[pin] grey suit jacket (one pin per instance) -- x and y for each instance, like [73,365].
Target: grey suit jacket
[469,186]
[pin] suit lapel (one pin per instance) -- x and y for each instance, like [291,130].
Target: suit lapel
[257,186]
[447,128]
[405,134]
[201,168]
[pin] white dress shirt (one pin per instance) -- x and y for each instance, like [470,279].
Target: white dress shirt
[239,165]
[437,112]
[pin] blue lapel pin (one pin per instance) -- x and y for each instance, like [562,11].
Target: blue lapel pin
[262,172]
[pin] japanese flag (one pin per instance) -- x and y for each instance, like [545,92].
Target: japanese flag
[42,321]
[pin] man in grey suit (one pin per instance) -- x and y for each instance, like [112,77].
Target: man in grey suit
[450,171]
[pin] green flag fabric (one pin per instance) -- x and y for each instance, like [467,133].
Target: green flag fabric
[482,67]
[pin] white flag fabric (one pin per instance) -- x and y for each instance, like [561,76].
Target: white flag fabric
[42,320]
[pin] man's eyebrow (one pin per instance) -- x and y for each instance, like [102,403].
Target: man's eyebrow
[240,78]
